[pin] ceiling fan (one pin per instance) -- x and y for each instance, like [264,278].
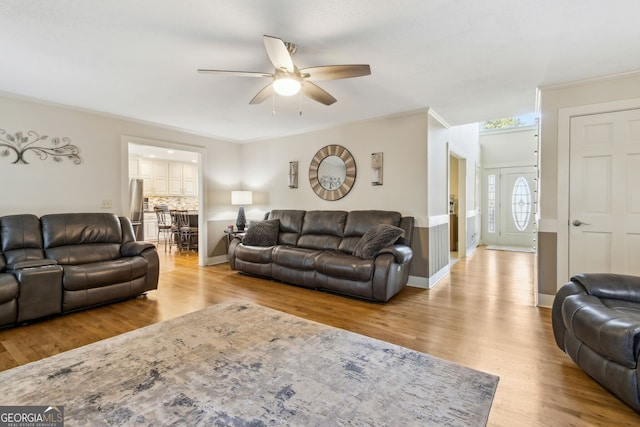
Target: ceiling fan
[288,80]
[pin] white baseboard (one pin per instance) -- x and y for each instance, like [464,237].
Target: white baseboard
[545,300]
[428,282]
[220,259]
[418,282]
[433,280]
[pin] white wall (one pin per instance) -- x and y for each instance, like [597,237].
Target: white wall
[464,143]
[415,147]
[402,139]
[553,99]
[412,163]
[615,88]
[438,169]
[509,147]
[46,186]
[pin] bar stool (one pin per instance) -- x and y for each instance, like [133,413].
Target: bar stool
[164,226]
[188,234]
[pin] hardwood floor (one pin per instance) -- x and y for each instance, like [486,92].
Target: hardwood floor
[480,316]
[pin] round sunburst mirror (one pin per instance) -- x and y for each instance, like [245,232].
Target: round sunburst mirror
[332,172]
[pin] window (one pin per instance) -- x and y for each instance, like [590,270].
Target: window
[491,203]
[521,203]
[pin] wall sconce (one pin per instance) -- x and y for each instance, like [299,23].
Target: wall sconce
[293,174]
[376,168]
[241,198]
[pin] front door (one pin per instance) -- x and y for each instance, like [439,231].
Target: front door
[604,201]
[510,206]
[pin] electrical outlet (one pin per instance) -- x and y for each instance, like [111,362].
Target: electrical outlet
[106,204]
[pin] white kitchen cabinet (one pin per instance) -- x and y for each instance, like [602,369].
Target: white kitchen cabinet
[175,178]
[189,179]
[182,179]
[160,177]
[142,169]
[164,177]
[150,227]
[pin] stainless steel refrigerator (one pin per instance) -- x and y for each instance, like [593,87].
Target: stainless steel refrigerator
[136,207]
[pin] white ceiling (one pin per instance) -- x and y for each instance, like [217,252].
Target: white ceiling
[469,60]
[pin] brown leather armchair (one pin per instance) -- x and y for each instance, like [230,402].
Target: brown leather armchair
[596,321]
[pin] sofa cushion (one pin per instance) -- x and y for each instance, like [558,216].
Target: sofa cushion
[21,238]
[105,273]
[359,222]
[322,230]
[255,254]
[324,222]
[296,258]
[290,225]
[79,238]
[83,254]
[376,238]
[611,328]
[341,265]
[262,233]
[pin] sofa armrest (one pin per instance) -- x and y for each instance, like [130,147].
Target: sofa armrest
[34,263]
[136,248]
[401,253]
[599,285]
[610,285]
[231,252]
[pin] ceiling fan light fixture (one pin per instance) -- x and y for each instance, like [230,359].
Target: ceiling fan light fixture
[286,86]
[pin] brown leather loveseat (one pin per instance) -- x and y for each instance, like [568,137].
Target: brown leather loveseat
[65,262]
[365,254]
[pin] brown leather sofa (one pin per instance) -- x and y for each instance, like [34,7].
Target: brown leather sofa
[596,321]
[65,262]
[317,249]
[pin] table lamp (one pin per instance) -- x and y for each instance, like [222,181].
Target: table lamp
[241,198]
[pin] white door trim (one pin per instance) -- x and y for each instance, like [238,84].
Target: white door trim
[564,137]
[202,186]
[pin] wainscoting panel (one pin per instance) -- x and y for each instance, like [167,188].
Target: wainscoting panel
[438,248]
[472,234]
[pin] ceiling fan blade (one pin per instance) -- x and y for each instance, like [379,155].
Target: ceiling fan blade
[236,73]
[333,72]
[317,93]
[278,53]
[265,93]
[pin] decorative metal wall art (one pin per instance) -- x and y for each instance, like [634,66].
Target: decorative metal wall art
[19,144]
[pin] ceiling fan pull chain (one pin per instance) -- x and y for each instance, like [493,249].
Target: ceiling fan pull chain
[300,102]
[273,110]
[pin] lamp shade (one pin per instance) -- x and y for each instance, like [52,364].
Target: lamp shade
[241,197]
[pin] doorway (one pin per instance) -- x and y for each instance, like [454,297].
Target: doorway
[178,183]
[509,207]
[457,208]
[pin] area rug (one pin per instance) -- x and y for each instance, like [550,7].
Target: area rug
[240,364]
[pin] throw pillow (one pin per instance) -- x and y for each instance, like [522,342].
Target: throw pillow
[262,233]
[376,238]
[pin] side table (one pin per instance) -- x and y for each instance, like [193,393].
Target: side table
[231,234]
